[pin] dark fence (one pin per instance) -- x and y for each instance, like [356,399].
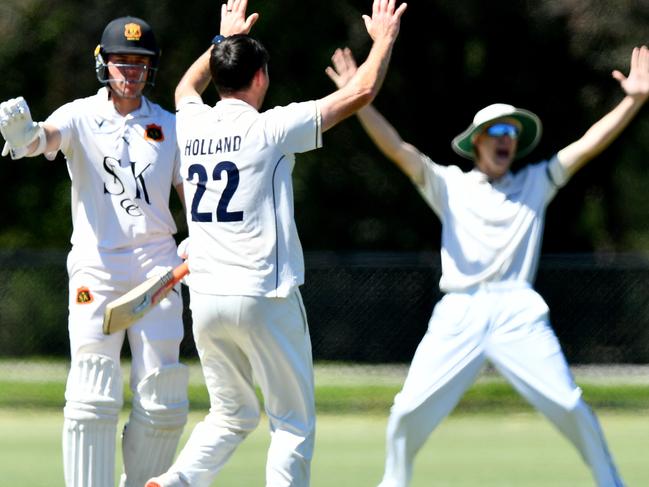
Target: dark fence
[371,307]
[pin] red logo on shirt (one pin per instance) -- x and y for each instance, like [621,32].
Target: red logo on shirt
[84,296]
[154,132]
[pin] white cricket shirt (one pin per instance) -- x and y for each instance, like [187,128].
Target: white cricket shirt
[491,232]
[237,167]
[122,169]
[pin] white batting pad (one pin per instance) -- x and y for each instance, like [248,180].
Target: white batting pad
[159,414]
[93,400]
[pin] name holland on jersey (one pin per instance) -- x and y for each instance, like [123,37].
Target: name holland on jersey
[204,147]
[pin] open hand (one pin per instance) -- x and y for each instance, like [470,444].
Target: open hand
[234,20]
[385,20]
[344,67]
[637,83]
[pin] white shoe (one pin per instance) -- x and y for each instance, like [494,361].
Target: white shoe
[169,479]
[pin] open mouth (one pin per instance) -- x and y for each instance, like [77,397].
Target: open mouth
[503,153]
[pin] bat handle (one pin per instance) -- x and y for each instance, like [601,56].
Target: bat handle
[177,273]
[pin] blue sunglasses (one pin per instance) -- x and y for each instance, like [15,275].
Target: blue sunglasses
[502,129]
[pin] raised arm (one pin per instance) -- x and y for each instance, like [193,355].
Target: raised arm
[383,28]
[24,137]
[606,130]
[233,21]
[382,133]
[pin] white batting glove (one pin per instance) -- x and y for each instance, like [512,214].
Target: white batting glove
[183,252]
[183,248]
[17,153]
[17,127]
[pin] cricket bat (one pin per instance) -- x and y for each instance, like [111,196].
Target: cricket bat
[127,309]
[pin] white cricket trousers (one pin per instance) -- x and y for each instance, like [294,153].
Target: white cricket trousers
[155,338]
[94,393]
[243,340]
[508,326]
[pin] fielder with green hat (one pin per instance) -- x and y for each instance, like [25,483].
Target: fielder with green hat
[527,124]
[492,226]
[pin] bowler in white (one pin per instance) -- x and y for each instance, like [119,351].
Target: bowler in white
[244,254]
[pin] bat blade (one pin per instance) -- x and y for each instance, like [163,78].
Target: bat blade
[122,312]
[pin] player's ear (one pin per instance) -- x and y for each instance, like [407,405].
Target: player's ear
[260,77]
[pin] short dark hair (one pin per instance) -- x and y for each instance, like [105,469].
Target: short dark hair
[234,62]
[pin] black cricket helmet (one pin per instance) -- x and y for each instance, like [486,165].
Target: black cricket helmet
[127,35]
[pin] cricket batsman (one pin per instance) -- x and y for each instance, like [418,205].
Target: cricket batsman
[122,160]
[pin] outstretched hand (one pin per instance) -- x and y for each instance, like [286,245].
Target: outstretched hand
[17,127]
[385,20]
[234,20]
[637,83]
[344,67]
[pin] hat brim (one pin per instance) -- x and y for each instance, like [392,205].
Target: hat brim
[129,50]
[530,135]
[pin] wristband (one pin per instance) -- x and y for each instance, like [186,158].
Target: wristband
[41,137]
[218,39]
[42,141]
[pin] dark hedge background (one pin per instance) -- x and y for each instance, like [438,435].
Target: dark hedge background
[553,57]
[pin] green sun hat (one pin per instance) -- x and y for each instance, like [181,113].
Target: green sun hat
[529,137]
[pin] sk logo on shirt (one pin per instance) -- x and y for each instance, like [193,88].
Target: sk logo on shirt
[114,185]
[84,296]
[154,132]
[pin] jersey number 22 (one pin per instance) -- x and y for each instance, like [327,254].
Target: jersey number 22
[222,213]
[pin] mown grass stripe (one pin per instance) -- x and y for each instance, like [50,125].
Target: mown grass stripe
[483,397]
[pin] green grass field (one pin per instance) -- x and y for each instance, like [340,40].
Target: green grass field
[516,449]
[493,438]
